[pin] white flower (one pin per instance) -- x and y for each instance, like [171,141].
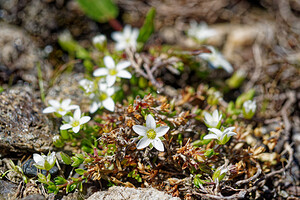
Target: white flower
[221,136]
[216,59]
[103,98]
[150,134]
[56,138]
[75,121]
[126,39]
[99,39]
[214,120]
[200,31]
[87,85]
[60,108]
[44,162]
[113,71]
[249,108]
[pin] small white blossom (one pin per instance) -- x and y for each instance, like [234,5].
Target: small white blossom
[103,98]
[87,85]
[99,39]
[200,31]
[126,39]
[150,134]
[249,108]
[216,59]
[214,120]
[112,71]
[60,108]
[44,162]
[75,121]
[221,136]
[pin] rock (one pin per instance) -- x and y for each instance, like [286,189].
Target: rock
[44,19]
[116,193]
[34,197]
[19,57]
[23,127]
[30,170]
[7,189]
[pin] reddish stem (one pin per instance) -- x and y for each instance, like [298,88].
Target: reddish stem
[115,24]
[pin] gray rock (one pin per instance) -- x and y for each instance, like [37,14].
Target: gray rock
[19,57]
[34,197]
[44,18]
[117,193]
[7,189]
[23,127]
[30,170]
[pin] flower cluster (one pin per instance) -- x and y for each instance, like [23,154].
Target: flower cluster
[213,122]
[62,110]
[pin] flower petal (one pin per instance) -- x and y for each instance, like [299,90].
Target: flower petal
[76,129]
[210,136]
[144,142]
[65,126]
[207,117]
[72,107]
[100,72]
[51,158]
[110,80]
[94,107]
[124,74]
[122,65]
[120,46]
[150,122]
[54,103]
[215,115]
[65,103]
[110,91]
[49,110]
[84,119]
[109,62]
[109,104]
[216,131]
[141,130]
[157,143]
[77,114]
[117,36]
[161,131]
[62,113]
[38,159]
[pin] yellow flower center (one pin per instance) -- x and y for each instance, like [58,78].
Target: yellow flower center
[151,134]
[60,109]
[75,123]
[113,72]
[103,96]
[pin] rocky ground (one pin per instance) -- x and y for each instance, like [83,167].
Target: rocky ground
[262,39]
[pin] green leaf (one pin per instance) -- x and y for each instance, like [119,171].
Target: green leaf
[59,180]
[66,159]
[72,187]
[209,152]
[80,171]
[99,10]
[42,178]
[148,27]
